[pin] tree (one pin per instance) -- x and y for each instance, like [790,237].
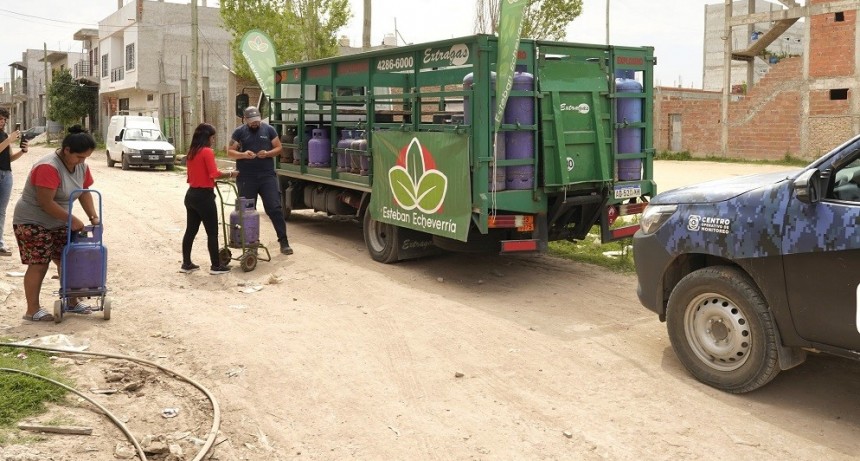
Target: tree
[300,29]
[68,100]
[542,20]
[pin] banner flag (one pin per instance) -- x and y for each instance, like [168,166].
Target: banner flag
[259,52]
[510,25]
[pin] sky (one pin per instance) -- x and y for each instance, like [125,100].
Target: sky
[676,33]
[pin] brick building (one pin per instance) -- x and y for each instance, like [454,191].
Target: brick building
[803,106]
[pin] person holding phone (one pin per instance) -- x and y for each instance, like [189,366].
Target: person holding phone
[6,159]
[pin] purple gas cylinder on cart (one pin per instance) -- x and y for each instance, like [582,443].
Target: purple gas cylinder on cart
[248,225]
[628,110]
[342,155]
[318,149]
[520,144]
[498,183]
[85,260]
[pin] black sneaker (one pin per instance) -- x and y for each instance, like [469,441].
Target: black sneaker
[218,270]
[285,248]
[190,267]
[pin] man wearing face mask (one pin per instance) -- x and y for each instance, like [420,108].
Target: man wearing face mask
[254,145]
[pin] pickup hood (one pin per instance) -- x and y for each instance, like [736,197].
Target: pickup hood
[148,145]
[721,189]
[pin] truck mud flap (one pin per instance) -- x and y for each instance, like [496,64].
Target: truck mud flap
[414,244]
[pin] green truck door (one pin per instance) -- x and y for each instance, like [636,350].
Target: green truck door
[575,120]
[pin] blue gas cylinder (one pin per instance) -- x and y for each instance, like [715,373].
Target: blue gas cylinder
[342,155]
[520,144]
[85,261]
[248,224]
[628,110]
[318,149]
[496,182]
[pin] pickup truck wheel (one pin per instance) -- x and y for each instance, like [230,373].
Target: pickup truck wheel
[125,164]
[169,167]
[721,330]
[382,240]
[110,162]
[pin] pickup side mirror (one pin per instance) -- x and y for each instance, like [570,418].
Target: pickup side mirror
[170,140]
[806,186]
[117,138]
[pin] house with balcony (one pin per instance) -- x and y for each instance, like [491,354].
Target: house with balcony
[143,66]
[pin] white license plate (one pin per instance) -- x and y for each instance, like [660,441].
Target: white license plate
[152,157]
[628,191]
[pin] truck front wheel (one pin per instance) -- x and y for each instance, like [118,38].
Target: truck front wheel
[382,240]
[721,330]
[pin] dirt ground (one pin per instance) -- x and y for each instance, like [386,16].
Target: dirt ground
[327,355]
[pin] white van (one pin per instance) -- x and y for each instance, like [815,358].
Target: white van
[137,141]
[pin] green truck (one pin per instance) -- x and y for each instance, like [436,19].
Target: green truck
[404,140]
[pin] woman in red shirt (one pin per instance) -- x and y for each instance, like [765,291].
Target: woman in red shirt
[200,199]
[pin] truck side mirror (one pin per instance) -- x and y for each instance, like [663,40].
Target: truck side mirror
[806,186]
[242,101]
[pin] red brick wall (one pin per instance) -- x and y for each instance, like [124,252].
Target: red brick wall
[832,44]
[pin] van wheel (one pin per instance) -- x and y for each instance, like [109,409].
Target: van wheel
[721,330]
[125,164]
[382,240]
[110,162]
[168,167]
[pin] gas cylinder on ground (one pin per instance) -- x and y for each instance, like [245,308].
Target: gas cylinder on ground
[342,155]
[629,139]
[319,149]
[497,180]
[520,144]
[244,221]
[85,261]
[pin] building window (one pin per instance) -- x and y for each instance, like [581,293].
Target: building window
[837,94]
[839,16]
[129,57]
[149,97]
[104,65]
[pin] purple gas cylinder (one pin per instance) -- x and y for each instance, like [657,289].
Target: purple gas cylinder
[359,144]
[318,149]
[248,224]
[520,144]
[342,155]
[499,182]
[628,110]
[85,260]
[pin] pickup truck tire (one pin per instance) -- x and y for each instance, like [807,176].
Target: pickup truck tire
[382,239]
[168,167]
[110,162]
[721,330]
[125,164]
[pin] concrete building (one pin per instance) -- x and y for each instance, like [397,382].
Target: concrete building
[144,67]
[790,43]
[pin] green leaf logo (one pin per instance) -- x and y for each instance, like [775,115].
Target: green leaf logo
[415,182]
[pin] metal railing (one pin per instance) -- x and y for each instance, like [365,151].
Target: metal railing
[83,69]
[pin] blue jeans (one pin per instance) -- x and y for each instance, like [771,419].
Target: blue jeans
[266,185]
[5,194]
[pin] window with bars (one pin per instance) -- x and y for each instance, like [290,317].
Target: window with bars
[104,65]
[129,56]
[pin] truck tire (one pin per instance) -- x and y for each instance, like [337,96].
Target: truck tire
[382,239]
[125,164]
[110,162]
[721,330]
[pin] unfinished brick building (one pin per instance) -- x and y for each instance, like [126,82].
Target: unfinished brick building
[803,106]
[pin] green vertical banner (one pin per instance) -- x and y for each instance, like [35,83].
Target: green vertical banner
[421,182]
[259,52]
[510,24]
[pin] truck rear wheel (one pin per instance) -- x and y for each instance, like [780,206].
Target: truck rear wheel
[721,330]
[382,240]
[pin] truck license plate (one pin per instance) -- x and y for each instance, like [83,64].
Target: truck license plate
[628,191]
[152,157]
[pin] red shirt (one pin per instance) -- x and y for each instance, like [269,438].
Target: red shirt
[48,177]
[201,169]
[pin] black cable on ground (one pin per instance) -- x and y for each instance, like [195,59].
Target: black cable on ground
[216,409]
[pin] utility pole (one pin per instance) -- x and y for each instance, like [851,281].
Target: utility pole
[607,22]
[727,79]
[195,114]
[47,99]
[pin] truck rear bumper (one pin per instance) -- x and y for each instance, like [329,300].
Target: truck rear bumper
[651,260]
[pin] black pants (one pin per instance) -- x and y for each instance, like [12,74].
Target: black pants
[200,207]
[266,185]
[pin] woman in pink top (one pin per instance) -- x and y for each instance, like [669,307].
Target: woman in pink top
[200,199]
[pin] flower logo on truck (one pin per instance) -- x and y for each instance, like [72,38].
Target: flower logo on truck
[414,180]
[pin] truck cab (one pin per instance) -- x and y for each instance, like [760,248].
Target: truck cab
[138,141]
[751,273]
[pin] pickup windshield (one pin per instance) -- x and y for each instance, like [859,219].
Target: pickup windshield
[138,134]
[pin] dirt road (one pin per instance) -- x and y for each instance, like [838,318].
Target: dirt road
[451,357]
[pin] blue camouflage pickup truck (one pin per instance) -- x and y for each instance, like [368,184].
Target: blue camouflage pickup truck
[750,273]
